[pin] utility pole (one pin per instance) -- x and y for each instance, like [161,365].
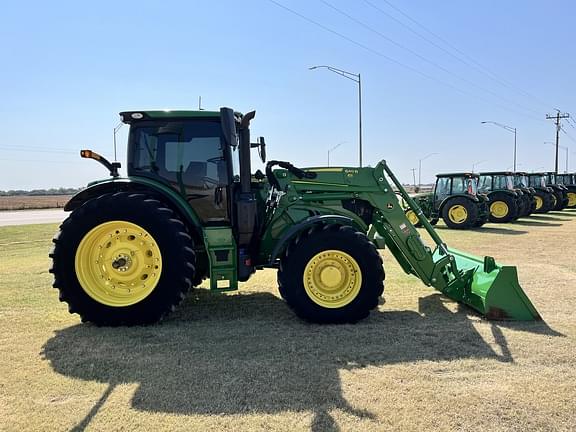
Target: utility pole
[414,177]
[559,116]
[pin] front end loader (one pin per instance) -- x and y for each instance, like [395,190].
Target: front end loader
[190,208]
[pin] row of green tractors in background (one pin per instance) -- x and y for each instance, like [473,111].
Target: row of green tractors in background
[468,200]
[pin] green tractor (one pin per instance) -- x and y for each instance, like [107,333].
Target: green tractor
[521,182]
[544,195]
[455,200]
[559,190]
[568,181]
[190,208]
[506,202]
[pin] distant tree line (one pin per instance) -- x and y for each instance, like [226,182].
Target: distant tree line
[38,192]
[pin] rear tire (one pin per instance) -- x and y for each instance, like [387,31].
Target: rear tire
[460,213]
[503,208]
[122,259]
[331,274]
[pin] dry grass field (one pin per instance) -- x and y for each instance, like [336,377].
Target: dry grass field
[33,202]
[243,361]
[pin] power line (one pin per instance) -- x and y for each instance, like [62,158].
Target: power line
[431,62]
[392,60]
[462,55]
[567,134]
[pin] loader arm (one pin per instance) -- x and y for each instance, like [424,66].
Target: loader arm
[480,283]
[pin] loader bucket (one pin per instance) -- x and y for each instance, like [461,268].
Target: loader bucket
[490,289]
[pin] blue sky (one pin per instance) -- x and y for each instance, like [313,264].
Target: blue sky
[69,67]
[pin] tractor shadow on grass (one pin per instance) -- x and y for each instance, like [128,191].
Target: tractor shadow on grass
[248,353]
[549,217]
[524,222]
[488,230]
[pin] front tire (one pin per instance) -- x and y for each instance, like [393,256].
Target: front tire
[544,202]
[503,208]
[331,274]
[122,259]
[460,213]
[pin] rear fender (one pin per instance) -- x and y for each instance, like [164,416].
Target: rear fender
[161,191]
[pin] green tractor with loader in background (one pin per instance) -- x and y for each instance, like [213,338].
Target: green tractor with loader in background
[455,199]
[191,208]
[507,203]
[545,199]
[568,181]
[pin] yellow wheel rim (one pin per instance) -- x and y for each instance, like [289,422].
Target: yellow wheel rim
[118,263]
[571,199]
[332,279]
[499,209]
[412,217]
[539,202]
[458,214]
[554,200]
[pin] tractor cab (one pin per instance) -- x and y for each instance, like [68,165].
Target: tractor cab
[538,181]
[455,184]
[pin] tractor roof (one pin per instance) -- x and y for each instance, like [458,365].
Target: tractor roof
[133,116]
[506,173]
[462,174]
[536,174]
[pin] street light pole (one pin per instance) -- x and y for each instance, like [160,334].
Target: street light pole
[334,148]
[509,129]
[420,168]
[482,161]
[357,79]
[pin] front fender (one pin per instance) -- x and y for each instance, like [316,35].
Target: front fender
[307,223]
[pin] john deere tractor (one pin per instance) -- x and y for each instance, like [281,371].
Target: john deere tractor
[544,195]
[191,208]
[569,182]
[506,202]
[559,190]
[455,199]
[521,182]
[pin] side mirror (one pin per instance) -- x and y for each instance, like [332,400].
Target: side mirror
[228,120]
[261,145]
[262,149]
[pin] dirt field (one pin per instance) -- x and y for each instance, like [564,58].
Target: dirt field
[244,362]
[33,202]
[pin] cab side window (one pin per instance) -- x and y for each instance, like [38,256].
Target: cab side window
[442,188]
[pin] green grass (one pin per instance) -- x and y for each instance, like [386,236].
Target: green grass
[243,361]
